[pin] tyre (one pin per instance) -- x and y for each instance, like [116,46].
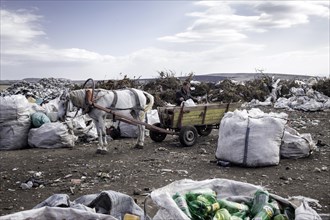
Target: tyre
[188,136]
[157,136]
[204,130]
[113,132]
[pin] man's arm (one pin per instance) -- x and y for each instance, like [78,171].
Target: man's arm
[178,98]
[193,98]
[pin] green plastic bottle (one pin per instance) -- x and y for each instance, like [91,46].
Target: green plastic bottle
[276,207]
[202,206]
[266,213]
[240,214]
[191,196]
[232,207]
[182,203]
[198,210]
[260,199]
[222,214]
[280,217]
[210,201]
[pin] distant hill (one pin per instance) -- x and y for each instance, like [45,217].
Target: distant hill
[212,77]
[246,76]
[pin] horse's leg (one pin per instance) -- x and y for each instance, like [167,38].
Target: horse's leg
[103,134]
[100,128]
[141,129]
[99,135]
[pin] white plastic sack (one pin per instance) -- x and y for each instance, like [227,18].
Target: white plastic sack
[256,102]
[313,101]
[297,91]
[107,205]
[188,103]
[36,108]
[326,105]
[13,107]
[152,116]
[307,104]
[126,129]
[14,133]
[251,138]
[52,105]
[225,189]
[295,145]
[55,213]
[79,124]
[129,130]
[53,116]
[14,122]
[51,135]
[283,103]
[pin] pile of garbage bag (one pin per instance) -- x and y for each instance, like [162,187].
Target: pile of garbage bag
[217,199]
[24,124]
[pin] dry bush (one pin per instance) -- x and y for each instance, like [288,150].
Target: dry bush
[323,86]
[286,85]
[118,84]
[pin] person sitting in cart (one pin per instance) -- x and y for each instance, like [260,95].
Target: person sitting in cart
[184,94]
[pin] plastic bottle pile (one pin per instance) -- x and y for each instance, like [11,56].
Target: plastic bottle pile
[206,206]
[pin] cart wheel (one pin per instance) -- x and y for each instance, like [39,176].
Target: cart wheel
[204,130]
[157,136]
[188,136]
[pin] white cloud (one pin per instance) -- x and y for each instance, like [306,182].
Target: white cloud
[19,27]
[220,21]
[21,43]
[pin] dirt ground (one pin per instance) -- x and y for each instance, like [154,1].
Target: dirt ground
[79,171]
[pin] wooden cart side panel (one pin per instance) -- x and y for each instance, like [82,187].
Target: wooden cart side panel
[210,114]
[198,115]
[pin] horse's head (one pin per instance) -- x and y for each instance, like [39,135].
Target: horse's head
[77,98]
[63,105]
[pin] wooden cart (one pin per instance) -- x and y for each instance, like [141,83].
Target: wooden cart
[186,121]
[189,122]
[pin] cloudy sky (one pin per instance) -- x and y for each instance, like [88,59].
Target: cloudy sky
[109,39]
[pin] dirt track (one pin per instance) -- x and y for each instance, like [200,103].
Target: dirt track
[79,171]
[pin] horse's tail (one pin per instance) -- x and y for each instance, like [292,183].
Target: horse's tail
[150,103]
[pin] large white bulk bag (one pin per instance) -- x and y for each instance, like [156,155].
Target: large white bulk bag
[14,133]
[51,135]
[14,122]
[13,107]
[251,138]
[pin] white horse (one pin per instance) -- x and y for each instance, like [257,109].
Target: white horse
[138,101]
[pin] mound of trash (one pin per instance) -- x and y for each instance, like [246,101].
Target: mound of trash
[42,99]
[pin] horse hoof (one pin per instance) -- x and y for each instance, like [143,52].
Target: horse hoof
[98,151]
[103,152]
[138,146]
